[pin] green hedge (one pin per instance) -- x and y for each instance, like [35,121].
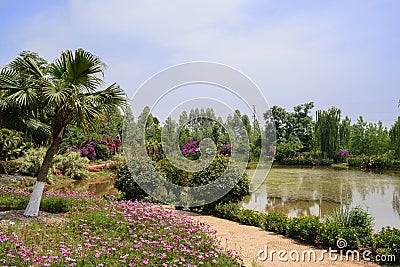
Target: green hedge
[144,170]
[373,162]
[357,230]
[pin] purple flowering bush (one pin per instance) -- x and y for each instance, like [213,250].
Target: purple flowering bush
[191,149]
[111,233]
[344,153]
[87,149]
[225,150]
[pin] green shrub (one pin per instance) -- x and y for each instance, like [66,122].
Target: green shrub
[306,228]
[102,151]
[357,225]
[229,211]
[387,242]
[11,144]
[373,162]
[172,174]
[329,233]
[142,170]
[10,166]
[232,177]
[32,161]
[72,165]
[277,222]
[355,162]
[117,161]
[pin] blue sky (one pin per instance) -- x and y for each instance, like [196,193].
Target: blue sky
[335,53]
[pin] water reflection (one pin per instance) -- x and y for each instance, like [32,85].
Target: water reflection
[319,191]
[98,188]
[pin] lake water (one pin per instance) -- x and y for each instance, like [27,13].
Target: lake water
[320,190]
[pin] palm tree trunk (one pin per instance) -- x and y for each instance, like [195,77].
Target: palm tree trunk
[32,210]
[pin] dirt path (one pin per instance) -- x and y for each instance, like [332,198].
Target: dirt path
[249,240]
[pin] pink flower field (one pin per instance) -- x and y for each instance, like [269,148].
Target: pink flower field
[112,233]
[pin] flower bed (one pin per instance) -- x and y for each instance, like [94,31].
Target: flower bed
[113,233]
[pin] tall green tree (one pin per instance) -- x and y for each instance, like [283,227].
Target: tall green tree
[68,94]
[302,124]
[298,123]
[395,137]
[327,131]
[358,140]
[344,133]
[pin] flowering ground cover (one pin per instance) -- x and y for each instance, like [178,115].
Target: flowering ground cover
[112,233]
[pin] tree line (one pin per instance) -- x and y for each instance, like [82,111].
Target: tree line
[328,135]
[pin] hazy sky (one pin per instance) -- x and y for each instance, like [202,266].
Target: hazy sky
[335,53]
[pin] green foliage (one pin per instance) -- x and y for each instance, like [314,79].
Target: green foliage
[173,174]
[12,144]
[49,203]
[10,166]
[117,161]
[72,165]
[288,149]
[141,170]
[214,171]
[277,222]
[387,242]
[345,133]
[307,228]
[65,93]
[296,124]
[354,225]
[355,161]
[374,162]
[369,138]
[308,159]
[32,161]
[395,137]
[326,131]
[357,225]
[329,233]
[232,211]
[102,151]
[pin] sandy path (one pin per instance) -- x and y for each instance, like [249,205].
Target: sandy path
[249,240]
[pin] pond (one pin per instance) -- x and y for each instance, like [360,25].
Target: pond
[99,188]
[320,190]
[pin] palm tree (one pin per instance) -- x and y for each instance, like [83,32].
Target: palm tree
[68,94]
[19,112]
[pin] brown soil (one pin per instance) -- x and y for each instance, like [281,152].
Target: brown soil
[249,240]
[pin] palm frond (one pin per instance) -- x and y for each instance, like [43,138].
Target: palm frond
[56,95]
[27,66]
[108,98]
[79,68]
